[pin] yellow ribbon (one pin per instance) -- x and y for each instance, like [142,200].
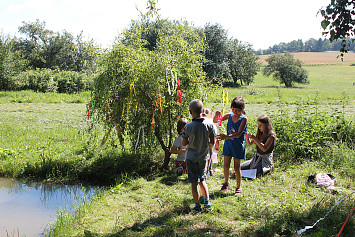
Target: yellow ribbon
[131,88]
[225,98]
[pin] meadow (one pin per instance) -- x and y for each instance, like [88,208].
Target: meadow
[47,136]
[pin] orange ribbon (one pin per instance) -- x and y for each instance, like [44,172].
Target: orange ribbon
[161,110]
[178,94]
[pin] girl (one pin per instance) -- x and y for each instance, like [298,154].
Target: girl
[264,140]
[178,148]
[234,146]
[207,113]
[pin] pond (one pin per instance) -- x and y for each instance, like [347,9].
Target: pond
[27,208]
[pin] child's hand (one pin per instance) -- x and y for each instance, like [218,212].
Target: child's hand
[182,151]
[217,113]
[249,135]
[222,136]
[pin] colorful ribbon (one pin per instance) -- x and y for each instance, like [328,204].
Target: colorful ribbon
[342,228]
[131,88]
[161,110]
[225,98]
[139,132]
[107,114]
[310,227]
[173,76]
[219,119]
[178,94]
[92,106]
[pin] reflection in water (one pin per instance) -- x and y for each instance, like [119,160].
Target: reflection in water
[28,207]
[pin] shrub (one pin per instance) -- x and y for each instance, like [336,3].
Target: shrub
[306,134]
[47,80]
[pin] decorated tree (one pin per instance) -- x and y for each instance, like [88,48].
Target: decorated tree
[143,92]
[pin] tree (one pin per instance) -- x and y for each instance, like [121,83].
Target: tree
[44,48]
[216,51]
[242,62]
[139,89]
[11,63]
[286,69]
[339,22]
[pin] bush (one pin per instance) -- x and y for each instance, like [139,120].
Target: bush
[47,80]
[308,134]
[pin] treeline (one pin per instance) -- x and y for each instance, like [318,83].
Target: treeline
[44,60]
[38,58]
[311,45]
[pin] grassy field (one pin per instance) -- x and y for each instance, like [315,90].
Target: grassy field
[329,57]
[47,136]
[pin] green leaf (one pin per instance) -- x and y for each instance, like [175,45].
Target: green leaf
[325,24]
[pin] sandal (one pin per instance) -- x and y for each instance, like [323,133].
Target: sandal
[238,192]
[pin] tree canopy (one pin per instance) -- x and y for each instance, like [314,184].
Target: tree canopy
[339,22]
[44,48]
[286,69]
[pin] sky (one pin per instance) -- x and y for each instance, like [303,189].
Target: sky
[261,23]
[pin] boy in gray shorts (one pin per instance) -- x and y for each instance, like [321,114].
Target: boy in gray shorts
[198,135]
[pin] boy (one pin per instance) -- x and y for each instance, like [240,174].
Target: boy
[198,135]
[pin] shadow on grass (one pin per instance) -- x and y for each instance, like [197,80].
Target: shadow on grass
[106,169]
[166,225]
[171,179]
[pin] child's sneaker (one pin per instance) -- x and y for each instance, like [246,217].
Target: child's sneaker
[238,192]
[225,186]
[207,207]
[197,208]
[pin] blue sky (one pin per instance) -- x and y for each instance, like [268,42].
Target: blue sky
[261,23]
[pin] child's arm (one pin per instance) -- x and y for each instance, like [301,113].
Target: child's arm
[262,146]
[242,126]
[248,139]
[175,150]
[217,114]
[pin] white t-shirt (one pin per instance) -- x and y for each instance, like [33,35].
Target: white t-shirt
[178,144]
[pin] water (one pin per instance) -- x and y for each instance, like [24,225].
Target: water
[27,208]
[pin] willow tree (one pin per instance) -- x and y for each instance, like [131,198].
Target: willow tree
[143,92]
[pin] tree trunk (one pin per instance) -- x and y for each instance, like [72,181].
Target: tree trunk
[166,160]
[163,146]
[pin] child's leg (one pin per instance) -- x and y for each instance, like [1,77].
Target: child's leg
[195,194]
[204,189]
[226,165]
[238,172]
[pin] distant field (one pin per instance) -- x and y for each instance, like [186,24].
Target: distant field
[317,58]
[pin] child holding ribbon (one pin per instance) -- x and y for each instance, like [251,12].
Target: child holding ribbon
[234,145]
[264,139]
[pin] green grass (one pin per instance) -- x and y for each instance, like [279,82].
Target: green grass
[46,135]
[157,203]
[38,97]
[275,205]
[329,84]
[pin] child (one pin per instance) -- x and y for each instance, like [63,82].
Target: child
[198,134]
[234,146]
[207,113]
[264,140]
[178,148]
